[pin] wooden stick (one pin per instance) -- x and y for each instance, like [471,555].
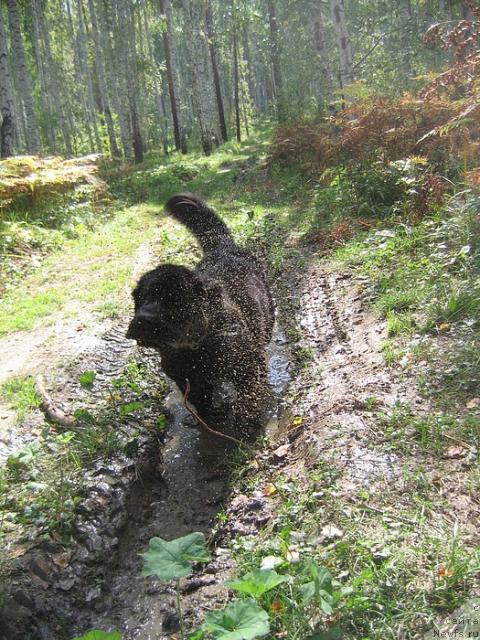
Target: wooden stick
[201,421]
[51,411]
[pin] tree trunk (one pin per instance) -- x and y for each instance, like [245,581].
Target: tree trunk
[275,54]
[337,8]
[32,134]
[102,83]
[405,18]
[216,76]
[165,8]
[115,83]
[87,76]
[325,74]
[195,51]
[7,108]
[236,79]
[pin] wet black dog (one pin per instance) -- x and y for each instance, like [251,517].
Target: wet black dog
[211,325]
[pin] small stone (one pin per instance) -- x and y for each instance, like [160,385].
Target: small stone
[255,503]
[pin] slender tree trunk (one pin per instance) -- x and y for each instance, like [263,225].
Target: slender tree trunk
[216,76]
[337,8]
[102,83]
[236,80]
[45,94]
[275,54]
[405,17]
[82,45]
[115,82]
[165,8]
[7,108]
[325,73]
[32,133]
[195,50]
[248,59]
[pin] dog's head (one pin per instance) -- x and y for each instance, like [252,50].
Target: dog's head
[171,309]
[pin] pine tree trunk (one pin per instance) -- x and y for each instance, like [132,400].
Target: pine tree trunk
[165,9]
[7,108]
[275,53]
[337,8]
[32,133]
[216,76]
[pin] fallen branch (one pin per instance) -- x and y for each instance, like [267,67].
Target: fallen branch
[201,421]
[51,411]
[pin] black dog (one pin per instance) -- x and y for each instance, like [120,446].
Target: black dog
[211,324]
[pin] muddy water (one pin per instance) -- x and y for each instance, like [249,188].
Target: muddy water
[183,491]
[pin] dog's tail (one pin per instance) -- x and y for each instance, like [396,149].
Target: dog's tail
[208,228]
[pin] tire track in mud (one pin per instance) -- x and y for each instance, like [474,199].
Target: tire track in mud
[346,371]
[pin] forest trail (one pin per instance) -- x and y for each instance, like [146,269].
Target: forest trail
[341,384]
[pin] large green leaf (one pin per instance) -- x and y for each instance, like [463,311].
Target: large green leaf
[240,620]
[168,559]
[100,635]
[257,582]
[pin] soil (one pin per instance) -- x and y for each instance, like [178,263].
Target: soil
[174,487]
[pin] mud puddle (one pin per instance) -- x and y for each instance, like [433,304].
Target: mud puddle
[185,489]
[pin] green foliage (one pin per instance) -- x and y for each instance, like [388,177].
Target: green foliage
[87,379]
[173,559]
[240,620]
[257,582]
[318,588]
[100,635]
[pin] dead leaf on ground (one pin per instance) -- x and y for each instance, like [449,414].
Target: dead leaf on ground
[474,403]
[18,551]
[62,560]
[269,490]
[282,451]
[454,452]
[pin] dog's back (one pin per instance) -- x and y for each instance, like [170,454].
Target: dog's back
[238,271]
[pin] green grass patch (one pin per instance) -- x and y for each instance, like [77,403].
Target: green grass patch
[21,394]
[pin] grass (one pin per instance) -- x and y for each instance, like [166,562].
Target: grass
[20,394]
[392,578]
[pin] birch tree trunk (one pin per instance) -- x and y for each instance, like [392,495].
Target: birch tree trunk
[275,54]
[7,108]
[32,133]
[337,8]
